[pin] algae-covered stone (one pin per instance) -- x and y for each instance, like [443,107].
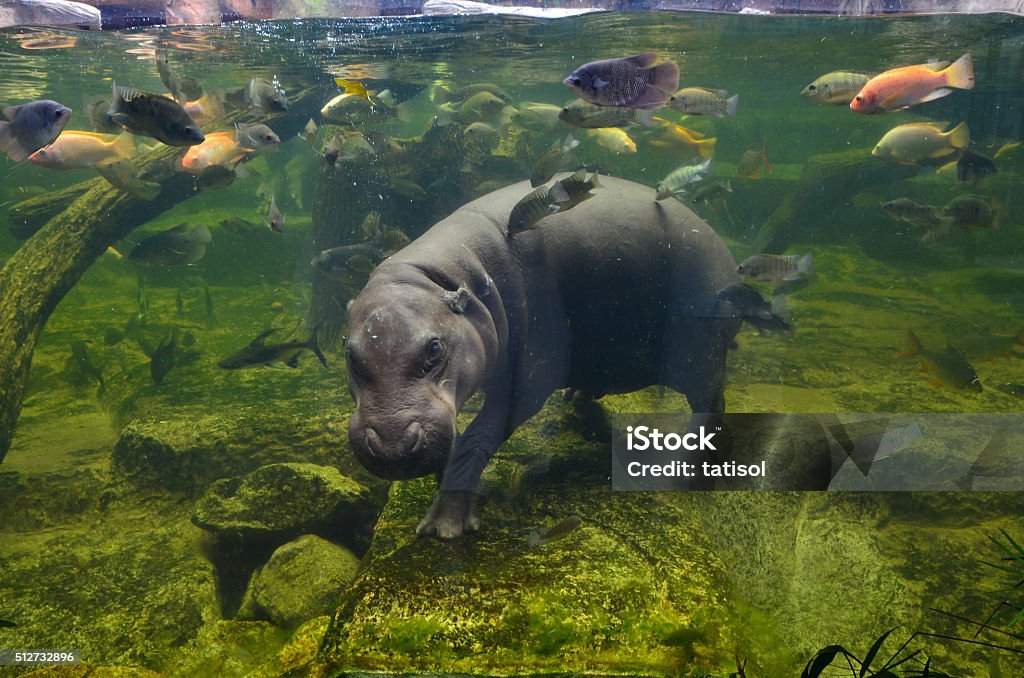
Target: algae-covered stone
[229,648]
[279,501]
[631,586]
[303,579]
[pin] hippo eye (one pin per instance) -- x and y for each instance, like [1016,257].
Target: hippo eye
[435,349]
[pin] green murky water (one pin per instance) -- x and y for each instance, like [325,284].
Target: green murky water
[800,571]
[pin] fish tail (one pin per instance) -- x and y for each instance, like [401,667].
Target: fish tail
[665,76]
[123,146]
[805,265]
[595,184]
[915,345]
[959,136]
[5,135]
[314,346]
[730,105]
[764,155]
[706,147]
[644,117]
[960,73]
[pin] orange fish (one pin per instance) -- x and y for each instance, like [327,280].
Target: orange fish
[219,148]
[749,165]
[205,109]
[682,138]
[81,150]
[901,88]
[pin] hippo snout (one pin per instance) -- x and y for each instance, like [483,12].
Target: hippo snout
[399,450]
[396,447]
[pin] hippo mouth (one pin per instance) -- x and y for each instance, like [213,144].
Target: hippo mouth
[419,450]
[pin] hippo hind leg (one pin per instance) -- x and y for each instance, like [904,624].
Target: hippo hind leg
[694,364]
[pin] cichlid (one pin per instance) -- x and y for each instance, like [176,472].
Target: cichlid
[901,88]
[837,87]
[914,213]
[31,126]
[537,204]
[154,115]
[917,141]
[972,211]
[705,101]
[948,367]
[563,528]
[631,82]
[83,150]
[256,136]
[614,139]
[178,246]
[552,160]
[675,183]
[579,113]
[775,267]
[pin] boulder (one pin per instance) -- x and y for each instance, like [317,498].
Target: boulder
[281,501]
[49,13]
[303,579]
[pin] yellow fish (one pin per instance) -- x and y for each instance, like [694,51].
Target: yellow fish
[353,87]
[81,150]
[613,138]
[677,136]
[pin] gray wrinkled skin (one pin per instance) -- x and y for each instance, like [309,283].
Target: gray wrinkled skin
[610,297]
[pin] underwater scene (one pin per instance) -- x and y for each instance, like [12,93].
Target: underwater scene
[243,423]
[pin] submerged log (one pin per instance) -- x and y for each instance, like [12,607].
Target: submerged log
[31,214]
[826,185]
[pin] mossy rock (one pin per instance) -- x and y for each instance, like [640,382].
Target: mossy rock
[229,648]
[280,501]
[302,580]
[634,589]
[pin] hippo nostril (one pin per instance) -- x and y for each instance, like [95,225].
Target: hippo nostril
[374,442]
[416,434]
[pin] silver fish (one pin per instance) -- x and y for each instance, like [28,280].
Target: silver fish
[674,185]
[775,267]
[705,101]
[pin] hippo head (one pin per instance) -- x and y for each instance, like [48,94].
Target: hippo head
[415,353]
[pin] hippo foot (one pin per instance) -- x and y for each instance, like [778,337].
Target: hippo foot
[452,515]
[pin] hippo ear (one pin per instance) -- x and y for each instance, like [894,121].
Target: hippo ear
[457,300]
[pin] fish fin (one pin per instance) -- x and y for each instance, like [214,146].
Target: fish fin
[10,144]
[665,77]
[258,341]
[11,112]
[644,117]
[650,99]
[293,362]
[936,65]
[728,186]
[914,348]
[596,184]
[314,346]
[764,155]
[123,146]
[960,73]
[805,264]
[730,105]
[643,60]
[935,94]
[959,136]
[558,193]
[706,147]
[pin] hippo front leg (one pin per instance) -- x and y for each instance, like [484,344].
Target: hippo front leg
[453,512]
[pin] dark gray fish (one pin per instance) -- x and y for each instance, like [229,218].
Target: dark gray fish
[240,227]
[215,176]
[342,263]
[712,192]
[31,126]
[256,136]
[973,166]
[274,219]
[577,187]
[972,211]
[553,159]
[97,109]
[182,88]
[124,174]
[84,363]
[259,353]
[917,214]
[740,300]
[7,624]
[154,115]
[177,246]
[113,336]
[161,361]
[1012,389]
[948,367]
[546,535]
[632,82]
[537,204]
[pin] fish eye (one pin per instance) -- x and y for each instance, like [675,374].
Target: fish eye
[575,81]
[858,98]
[812,88]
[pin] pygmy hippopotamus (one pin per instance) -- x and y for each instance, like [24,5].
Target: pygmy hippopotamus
[614,295]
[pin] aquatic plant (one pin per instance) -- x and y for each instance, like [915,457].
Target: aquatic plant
[861,668]
[1013,565]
